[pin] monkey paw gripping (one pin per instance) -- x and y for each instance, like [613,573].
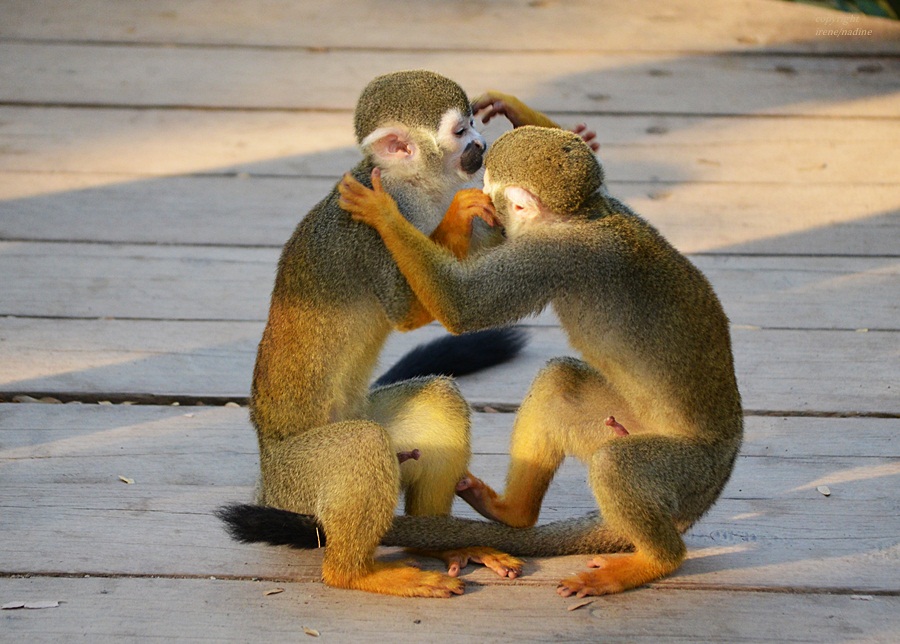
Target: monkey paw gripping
[455,230]
[370,206]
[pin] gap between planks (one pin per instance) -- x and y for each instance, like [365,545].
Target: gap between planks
[545,51]
[186,107]
[243,401]
[487,581]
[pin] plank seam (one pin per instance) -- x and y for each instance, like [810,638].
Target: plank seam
[243,400]
[143,107]
[260,320]
[555,51]
[199,244]
[667,586]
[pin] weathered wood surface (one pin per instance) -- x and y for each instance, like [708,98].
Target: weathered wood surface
[177,145]
[117,609]
[273,79]
[235,211]
[796,150]
[67,512]
[191,283]
[527,25]
[782,370]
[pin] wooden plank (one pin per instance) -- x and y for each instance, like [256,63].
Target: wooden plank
[301,79]
[798,370]
[61,496]
[203,283]
[43,445]
[681,25]
[263,210]
[665,149]
[103,610]
[45,431]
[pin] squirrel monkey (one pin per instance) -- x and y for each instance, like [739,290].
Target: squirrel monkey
[653,409]
[330,447]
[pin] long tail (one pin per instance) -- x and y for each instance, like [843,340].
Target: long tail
[583,535]
[457,355]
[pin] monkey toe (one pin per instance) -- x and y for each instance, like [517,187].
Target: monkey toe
[504,565]
[613,574]
[589,583]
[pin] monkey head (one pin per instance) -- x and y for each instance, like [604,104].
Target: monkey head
[416,124]
[537,174]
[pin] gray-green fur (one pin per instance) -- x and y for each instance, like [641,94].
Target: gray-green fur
[414,97]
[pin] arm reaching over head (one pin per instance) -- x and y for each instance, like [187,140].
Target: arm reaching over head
[497,103]
[494,103]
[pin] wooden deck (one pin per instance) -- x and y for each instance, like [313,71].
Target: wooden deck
[154,156]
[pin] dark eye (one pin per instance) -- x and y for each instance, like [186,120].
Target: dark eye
[459,133]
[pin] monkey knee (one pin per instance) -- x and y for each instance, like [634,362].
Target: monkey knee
[564,377]
[444,393]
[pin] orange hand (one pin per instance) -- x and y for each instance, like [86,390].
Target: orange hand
[370,206]
[511,107]
[455,231]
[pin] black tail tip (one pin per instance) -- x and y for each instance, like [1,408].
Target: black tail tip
[457,355]
[260,524]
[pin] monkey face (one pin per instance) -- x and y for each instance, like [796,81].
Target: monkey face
[462,144]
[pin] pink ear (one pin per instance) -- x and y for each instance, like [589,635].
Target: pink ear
[390,144]
[523,201]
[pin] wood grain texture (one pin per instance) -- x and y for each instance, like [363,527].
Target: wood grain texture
[800,370]
[60,469]
[85,74]
[528,25]
[213,283]
[110,610]
[178,143]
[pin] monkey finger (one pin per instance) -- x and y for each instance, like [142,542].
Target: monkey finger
[483,101]
[376,180]
[489,216]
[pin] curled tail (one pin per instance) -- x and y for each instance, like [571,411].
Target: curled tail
[582,535]
[457,355]
[257,523]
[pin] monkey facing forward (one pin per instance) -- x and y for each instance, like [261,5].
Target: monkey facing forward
[653,409]
[329,447]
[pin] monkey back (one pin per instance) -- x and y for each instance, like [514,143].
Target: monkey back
[414,97]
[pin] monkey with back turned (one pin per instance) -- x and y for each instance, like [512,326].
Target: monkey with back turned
[653,409]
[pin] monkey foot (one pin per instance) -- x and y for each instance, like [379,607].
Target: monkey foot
[405,581]
[492,506]
[479,495]
[614,574]
[504,565]
[405,456]
[616,427]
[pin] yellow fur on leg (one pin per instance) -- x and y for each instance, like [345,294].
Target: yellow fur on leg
[614,574]
[396,579]
[501,563]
